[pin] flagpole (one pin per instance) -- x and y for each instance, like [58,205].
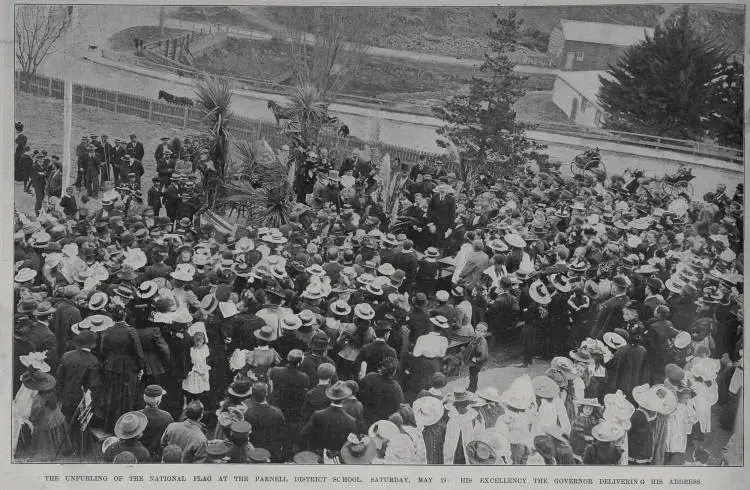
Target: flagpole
[67,133]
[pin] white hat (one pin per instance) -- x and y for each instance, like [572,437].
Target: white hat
[682,340]
[428,410]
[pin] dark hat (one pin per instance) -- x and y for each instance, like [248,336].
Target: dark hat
[37,380]
[241,428]
[218,448]
[319,340]
[358,450]
[86,338]
[259,455]
[338,391]
[241,388]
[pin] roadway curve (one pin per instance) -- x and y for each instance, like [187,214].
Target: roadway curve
[407,130]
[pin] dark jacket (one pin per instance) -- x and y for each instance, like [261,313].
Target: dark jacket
[610,315]
[121,348]
[373,353]
[135,149]
[289,390]
[328,429]
[381,397]
[315,399]
[155,350]
[158,420]
[78,370]
[268,426]
[134,446]
[65,316]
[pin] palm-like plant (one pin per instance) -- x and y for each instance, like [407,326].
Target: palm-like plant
[308,112]
[214,96]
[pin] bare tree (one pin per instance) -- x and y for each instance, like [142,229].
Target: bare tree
[328,44]
[38,28]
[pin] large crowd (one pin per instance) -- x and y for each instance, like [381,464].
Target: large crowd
[149,335]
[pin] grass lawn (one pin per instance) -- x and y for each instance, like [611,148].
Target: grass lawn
[124,40]
[43,125]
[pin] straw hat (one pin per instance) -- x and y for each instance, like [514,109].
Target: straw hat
[428,410]
[25,275]
[340,308]
[613,340]
[440,321]
[130,425]
[358,450]
[674,284]
[364,311]
[682,340]
[545,387]
[479,453]
[561,283]
[607,432]
[514,240]
[265,333]
[338,391]
[99,323]
[490,394]
[147,289]
[667,399]
[538,292]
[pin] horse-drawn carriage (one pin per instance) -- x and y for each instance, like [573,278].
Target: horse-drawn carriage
[588,164]
[678,183]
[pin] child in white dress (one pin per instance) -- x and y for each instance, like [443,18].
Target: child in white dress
[196,381]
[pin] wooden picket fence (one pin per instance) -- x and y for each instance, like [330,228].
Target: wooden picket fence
[241,128]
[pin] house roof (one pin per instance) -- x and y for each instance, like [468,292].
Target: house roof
[599,33]
[585,83]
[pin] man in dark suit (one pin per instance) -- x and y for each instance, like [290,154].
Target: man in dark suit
[407,261]
[610,312]
[65,316]
[159,153]
[315,398]
[108,159]
[118,156]
[158,420]
[372,354]
[91,170]
[135,147]
[288,389]
[329,428]
[79,370]
[442,211]
[267,422]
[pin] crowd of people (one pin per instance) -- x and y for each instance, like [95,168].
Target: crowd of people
[332,338]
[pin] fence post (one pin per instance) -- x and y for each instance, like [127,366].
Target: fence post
[117,100]
[49,87]
[150,108]
[185,118]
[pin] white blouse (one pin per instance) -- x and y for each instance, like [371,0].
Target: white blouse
[430,345]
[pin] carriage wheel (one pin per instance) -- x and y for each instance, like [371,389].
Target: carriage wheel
[683,187]
[575,169]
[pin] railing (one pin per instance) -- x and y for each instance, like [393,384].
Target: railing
[250,128]
[242,128]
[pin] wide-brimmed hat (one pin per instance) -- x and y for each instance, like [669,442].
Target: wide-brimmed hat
[440,321]
[147,289]
[24,275]
[241,388]
[498,245]
[514,240]
[340,308]
[365,278]
[538,292]
[44,309]
[431,253]
[618,405]
[130,425]
[38,380]
[606,431]
[591,402]
[581,355]
[374,288]
[316,270]
[209,303]
[99,323]
[358,450]
[565,366]
[459,397]
[613,340]
[386,269]
[364,311]
[545,387]
[561,283]
[557,376]
[291,322]
[479,453]
[667,399]
[428,410]
[313,290]
[674,284]
[578,265]
[338,391]
[490,394]
[265,333]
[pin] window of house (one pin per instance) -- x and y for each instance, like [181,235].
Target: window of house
[584,104]
[579,55]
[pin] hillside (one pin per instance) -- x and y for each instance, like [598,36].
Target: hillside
[461,31]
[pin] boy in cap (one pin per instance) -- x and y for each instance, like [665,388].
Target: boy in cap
[154,196]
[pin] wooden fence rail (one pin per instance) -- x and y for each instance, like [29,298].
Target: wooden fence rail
[248,128]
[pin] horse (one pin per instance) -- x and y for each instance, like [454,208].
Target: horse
[184,101]
[167,96]
[279,112]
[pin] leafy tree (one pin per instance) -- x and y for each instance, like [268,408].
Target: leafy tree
[726,121]
[664,85]
[482,123]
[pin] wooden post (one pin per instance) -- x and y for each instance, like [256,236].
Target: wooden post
[117,100]
[49,87]
[185,118]
[150,108]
